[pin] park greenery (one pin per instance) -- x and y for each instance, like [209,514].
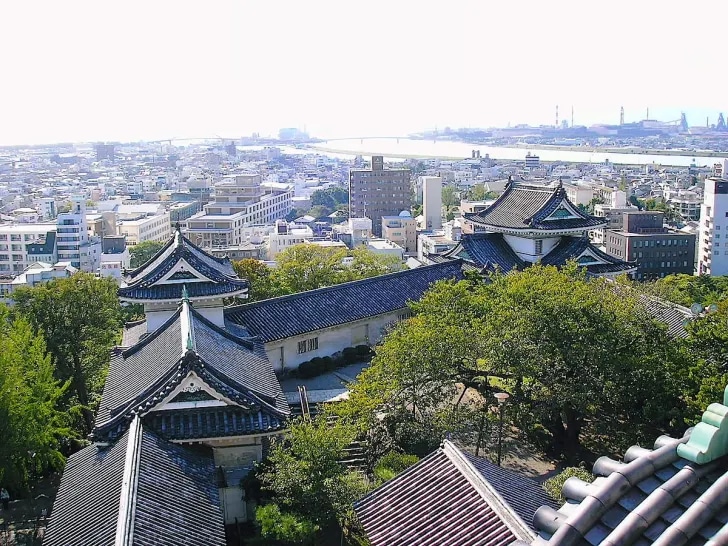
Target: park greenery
[307,267]
[54,353]
[323,203]
[143,252]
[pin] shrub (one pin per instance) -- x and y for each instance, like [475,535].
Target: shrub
[553,486]
[363,350]
[392,464]
[328,364]
[286,527]
[350,355]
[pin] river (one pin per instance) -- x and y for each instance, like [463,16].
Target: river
[403,148]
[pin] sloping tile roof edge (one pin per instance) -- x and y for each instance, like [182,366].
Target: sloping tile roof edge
[499,505]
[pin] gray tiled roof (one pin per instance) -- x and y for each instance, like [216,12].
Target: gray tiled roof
[87,504]
[177,496]
[570,248]
[485,251]
[528,207]
[141,283]
[653,497]
[524,495]
[442,500]
[287,316]
[176,499]
[143,373]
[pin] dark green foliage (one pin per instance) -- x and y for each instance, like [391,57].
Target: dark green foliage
[580,362]
[554,485]
[32,430]
[351,355]
[363,350]
[306,479]
[330,197]
[688,289]
[79,318]
[392,464]
[143,252]
[285,527]
[263,283]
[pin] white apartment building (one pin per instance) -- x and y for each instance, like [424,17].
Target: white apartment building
[713,242]
[24,244]
[239,201]
[145,228]
[285,236]
[432,202]
[35,274]
[73,243]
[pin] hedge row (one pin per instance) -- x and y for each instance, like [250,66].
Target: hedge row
[319,365]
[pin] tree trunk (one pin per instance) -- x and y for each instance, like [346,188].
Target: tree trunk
[572,443]
[79,385]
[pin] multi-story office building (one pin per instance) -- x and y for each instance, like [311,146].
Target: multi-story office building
[432,202]
[615,219]
[143,228]
[401,230]
[239,201]
[378,192]
[658,250]
[713,244]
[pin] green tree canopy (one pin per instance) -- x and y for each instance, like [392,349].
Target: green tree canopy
[31,427]
[79,318]
[305,474]
[263,284]
[479,193]
[307,267]
[330,197]
[450,197]
[686,289]
[143,252]
[580,357]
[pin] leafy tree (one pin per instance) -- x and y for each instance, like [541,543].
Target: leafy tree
[554,485]
[307,267]
[262,280]
[577,359]
[450,197]
[31,427]
[479,193]
[319,211]
[393,463]
[294,213]
[330,197]
[306,477]
[79,317]
[686,289]
[284,526]
[143,252]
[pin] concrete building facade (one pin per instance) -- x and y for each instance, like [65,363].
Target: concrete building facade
[432,202]
[713,244]
[378,192]
[657,250]
[401,230]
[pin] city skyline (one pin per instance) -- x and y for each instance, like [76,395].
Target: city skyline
[160,70]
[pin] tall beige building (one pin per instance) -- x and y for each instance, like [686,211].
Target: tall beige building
[432,202]
[378,192]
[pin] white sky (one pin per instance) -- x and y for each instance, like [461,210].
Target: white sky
[145,69]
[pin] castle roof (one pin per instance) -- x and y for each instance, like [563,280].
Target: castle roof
[130,493]
[297,314]
[144,377]
[451,498]
[178,263]
[534,208]
[670,496]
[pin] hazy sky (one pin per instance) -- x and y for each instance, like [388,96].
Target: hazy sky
[146,69]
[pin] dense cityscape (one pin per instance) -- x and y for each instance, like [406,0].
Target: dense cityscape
[363,274]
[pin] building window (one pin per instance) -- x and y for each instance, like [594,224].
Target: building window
[307,345]
[539,246]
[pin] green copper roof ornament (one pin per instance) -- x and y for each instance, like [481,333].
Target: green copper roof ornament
[190,342]
[709,439]
[185,294]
